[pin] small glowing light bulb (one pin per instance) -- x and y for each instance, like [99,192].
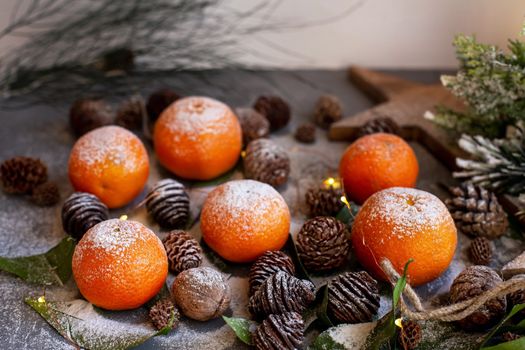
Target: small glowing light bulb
[123,217]
[42,299]
[345,201]
[243,154]
[398,322]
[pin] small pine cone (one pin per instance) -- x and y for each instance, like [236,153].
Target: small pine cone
[267,162]
[384,125]
[275,109]
[477,211]
[131,113]
[410,334]
[324,201]
[162,312]
[353,297]
[253,124]
[80,212]
[267,265]
[46,194]
[323,243]
[305,133]
[509,336]
[328,110]
[480,251]
[281,293]
[158,101]
[168,203]
[87,114]
[183,251]
[280,332]
[22,174]
[470,283]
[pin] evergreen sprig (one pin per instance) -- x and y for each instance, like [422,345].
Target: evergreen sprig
[491,82]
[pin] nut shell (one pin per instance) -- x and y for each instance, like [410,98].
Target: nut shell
[201,293]
[267,265]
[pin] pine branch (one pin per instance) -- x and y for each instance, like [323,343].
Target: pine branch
[496,164]
[491,82]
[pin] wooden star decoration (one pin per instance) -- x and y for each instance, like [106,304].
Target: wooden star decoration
[405,102]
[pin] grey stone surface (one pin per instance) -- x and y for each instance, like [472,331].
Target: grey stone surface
[42,131]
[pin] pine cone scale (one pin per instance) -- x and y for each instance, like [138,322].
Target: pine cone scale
[477,211]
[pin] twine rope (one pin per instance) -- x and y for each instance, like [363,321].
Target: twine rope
[452,312]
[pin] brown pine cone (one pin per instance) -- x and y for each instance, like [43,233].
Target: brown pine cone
[162,312]
[323,243]
[281,293]
[267,265]
[470,283]
[80,212]
[328,110]
[280,332]
[409,335]
[383,125]
[267,162]
[87,114]
[131,113]
[22,174]
[324,201]
[477,211]
[158,101]
[275,109]
[253,124]
[305,133]
[46,194]
[168,203]
[480,251]
[183,251]
[353,297]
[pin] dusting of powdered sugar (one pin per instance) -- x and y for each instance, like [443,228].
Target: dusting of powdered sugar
[107,146]
[191,117]
[407,210]
[113,237]
[244,206]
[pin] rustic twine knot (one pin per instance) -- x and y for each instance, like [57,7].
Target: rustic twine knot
[452,312]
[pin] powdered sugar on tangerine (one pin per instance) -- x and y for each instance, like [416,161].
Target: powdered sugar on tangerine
[408,210]
[113,236]
[107,145]
[193,116]
[247,201]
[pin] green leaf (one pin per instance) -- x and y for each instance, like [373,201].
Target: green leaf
[242,328]
[510,345]
[513,311]
[400,285]
[301,271]
[52,267]
[322,311]
[325,342]
[347,214]
[81,324]
[386,328]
